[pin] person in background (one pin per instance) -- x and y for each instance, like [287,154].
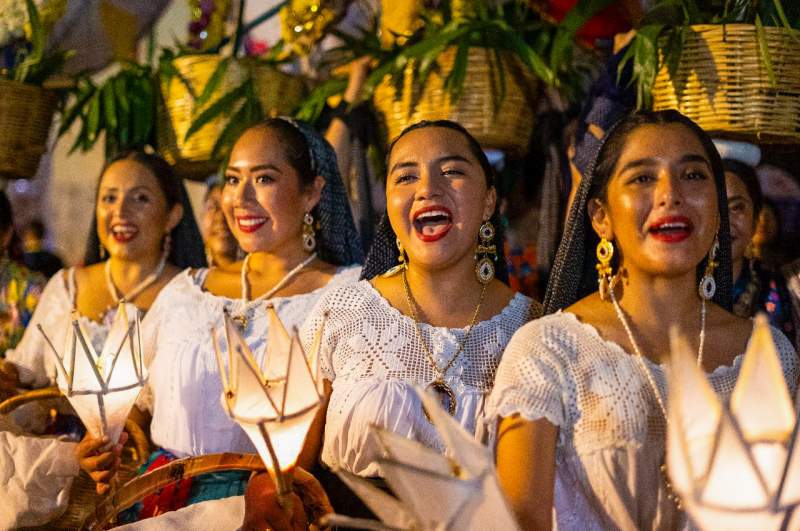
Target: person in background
[222,249]
[20,290]
[758,287]
[36,257]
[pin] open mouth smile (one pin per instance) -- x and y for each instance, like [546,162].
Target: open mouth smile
[432,223]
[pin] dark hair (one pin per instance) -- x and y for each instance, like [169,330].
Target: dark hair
[187,243]
[383,254]
[574,276]
[295,147]
[474,146]
[7,222]
[747,174]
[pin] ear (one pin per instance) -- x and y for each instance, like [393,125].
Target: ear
[489,203]
[313,193]
[601,222]
[174,217]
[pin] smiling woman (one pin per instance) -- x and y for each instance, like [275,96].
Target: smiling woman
[426,319]
[578,410]
[144,224]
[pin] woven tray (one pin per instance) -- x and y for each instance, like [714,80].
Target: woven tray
[723,85]
[26,112]
[278,93]
[508,127]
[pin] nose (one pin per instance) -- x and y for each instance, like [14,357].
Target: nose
[429,184]
[243,192]
[668,190]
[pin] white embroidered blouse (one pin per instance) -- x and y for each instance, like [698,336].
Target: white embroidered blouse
[372,355]
[611,430]
[184,389]
[31,357]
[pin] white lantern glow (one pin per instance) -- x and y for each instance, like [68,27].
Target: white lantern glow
[435,492]
[274,402]
[102,388]
[734,466]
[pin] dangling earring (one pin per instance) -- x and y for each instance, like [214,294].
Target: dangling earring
[309,238]
[708,286]
[102,252]
[402,259]
[486,254]
[606,279]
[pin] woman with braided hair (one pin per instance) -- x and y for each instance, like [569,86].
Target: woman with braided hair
[431,310]
[286,206]
[578,408]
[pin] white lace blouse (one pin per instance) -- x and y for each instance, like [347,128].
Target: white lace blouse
[31,356]
[611,430]
[184,389]
[372,355]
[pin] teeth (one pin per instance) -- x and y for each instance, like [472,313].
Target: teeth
[433,213]
[251,222]
[123,230]
[672,226]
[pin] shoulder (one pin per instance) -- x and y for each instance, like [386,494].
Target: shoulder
[347,295]
[345,275]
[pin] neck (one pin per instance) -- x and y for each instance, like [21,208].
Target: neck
[657,303]
[127,272]
[445,296]
[267,263]
[738,266]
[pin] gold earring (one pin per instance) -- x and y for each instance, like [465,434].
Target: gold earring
[606,279]
[309,237]
[708,286]
[402,259]
[486,254]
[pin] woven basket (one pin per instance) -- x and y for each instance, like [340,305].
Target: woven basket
[507,127]
[26,112]
[278,93]
[722,83]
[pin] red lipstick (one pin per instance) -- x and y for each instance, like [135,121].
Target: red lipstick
[671,229]
[432,223]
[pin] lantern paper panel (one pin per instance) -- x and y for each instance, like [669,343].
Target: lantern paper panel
[102,388]
[734,466]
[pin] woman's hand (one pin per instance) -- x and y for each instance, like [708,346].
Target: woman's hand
[100,459]
[9,379]
[263,509]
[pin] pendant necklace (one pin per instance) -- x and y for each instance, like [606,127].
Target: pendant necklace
[439,385]
[138,288]
[651,380]
[241,319]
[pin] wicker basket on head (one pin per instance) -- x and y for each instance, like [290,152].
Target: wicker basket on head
[722,83]
[507,127]
[26,112]
[278,93]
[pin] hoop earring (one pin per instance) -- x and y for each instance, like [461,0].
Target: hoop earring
[486,254]
[708,286]
[402,259]
[606,279]
[309,236]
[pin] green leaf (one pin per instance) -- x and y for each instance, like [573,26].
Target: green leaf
[224,105]
[213,82]
[763,48]
[531,58]
[572,23]
[37,43]
[249,114]
[645,61]
[73,112]
[454,83]
[93,118]
[109,107]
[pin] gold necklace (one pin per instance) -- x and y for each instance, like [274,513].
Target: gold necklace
[439,386]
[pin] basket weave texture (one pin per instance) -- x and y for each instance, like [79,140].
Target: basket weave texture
[277,92]
[722,83]
[508,126]
[26,113]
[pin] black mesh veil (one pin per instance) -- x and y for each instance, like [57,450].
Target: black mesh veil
[338,241]
[574,275]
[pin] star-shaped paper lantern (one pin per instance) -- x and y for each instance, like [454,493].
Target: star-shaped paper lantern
[274,401]
[102,388]
[735,466]
[434,492]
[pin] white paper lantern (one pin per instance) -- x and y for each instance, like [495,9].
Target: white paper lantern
[276,401]
[735,466]
[102,388]
[435,492]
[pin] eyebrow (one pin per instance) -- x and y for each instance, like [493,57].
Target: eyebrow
[737,197]
[691,157]
[440,160]
[135,188]
[258,167]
